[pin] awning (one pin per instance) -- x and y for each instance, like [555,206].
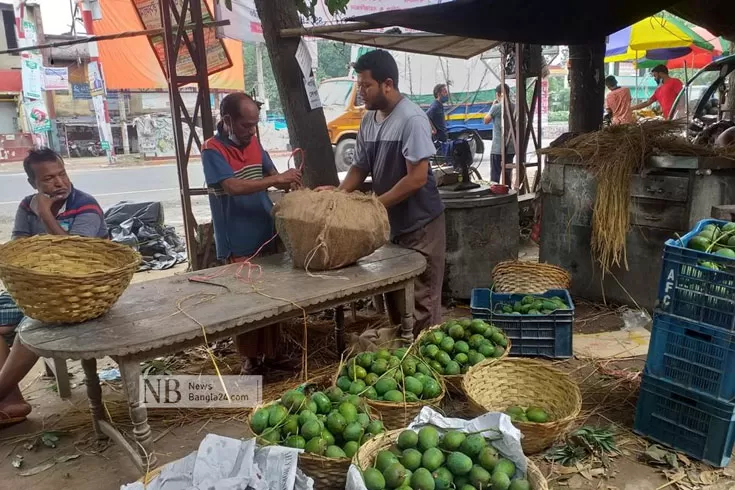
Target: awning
[714,15]
[422,43]
[10,82]
[533,21]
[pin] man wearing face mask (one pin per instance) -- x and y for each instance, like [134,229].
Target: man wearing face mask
[393,146]
[665,94]
[435,113]
[238,173]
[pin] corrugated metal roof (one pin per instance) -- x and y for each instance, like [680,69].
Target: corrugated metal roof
[416,42]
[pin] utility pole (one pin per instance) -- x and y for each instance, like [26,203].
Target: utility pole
[101,110]
[261,81]
[121,100]
[587,86]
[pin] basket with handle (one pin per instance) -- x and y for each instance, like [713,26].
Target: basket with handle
[328,473]
[366,455]
[453,381]
[493,387]
[66,279]
[514,276]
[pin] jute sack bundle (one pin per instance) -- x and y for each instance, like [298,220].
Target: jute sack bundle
[330,229]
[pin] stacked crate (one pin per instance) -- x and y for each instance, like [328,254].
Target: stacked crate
[687,398]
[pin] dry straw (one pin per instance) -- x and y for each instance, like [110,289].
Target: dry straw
[493,387]
[66,279]
[614,155]
[365,458]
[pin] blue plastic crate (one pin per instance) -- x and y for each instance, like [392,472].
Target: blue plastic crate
[689,290]
[700,426]
[692,355]
[531,335]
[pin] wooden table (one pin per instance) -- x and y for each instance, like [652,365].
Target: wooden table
[146,322]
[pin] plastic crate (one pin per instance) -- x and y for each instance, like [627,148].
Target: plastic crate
[700,426]
[693,355]
[531,335]
[698,293]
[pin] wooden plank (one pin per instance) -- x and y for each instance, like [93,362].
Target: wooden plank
[147,317]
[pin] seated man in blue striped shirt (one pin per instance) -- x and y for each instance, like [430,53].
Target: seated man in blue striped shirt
[57,208]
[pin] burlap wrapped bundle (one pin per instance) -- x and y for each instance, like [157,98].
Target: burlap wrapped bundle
[330,229]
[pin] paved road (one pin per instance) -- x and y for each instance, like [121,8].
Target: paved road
[136,183]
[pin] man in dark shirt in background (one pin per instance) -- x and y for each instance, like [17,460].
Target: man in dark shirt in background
[435,113]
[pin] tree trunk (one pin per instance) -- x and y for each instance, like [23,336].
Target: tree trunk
[307,129]
[730,103]
[587,87]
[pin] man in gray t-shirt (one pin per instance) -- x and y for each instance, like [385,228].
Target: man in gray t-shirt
[393,146]
[495,115]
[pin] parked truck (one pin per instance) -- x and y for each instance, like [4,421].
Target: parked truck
[471,85]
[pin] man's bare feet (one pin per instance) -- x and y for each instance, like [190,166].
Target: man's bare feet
[14,410]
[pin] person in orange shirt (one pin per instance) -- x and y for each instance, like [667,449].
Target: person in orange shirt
[617,102]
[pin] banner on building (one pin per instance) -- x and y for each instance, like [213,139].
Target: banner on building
[245,23]
[98,101]
[56,78]
[37,116]
[217,57]
[32,77]
[96,82]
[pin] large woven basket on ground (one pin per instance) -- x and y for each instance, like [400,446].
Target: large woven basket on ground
[493,387]
[513,276]
[368,451]
[454,381]
[328,473]
[66,279]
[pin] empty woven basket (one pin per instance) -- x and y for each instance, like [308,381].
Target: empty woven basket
[513,276]
[66,279]
[493,387]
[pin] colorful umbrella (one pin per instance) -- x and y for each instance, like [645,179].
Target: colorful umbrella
[657,38]
[697,58]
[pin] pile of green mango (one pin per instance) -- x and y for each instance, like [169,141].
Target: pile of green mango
[391,376]
[531,305]
[461,343]
[328,423]
[717,240]
[430,460]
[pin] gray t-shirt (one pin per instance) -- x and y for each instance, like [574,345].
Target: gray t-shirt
[382,150]
[496,111]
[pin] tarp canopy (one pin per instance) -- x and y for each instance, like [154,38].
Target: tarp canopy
[131,64]
[531,21]
[417,42]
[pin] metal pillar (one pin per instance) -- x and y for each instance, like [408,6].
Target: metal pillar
[179,13]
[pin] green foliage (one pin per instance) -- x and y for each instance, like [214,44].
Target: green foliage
[559,116]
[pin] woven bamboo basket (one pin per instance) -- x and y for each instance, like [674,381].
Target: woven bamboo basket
[513,276]
[454,381]
[66,279]
[398,415]
[329,473]
[368,451]
[493,387]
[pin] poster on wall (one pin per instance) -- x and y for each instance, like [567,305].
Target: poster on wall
[217,57]
[37,115]
[56,78]
[32,77]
